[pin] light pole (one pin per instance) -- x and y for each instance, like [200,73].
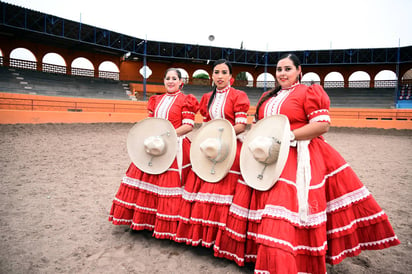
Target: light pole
[211,39]
[144,69]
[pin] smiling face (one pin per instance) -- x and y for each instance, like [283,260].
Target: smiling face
[221,76]
[287,73]
[172,81]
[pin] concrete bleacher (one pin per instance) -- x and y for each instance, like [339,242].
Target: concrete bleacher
[17,80]
[198,91]
[339,97]
[361,97]
[405,97]
[25,81]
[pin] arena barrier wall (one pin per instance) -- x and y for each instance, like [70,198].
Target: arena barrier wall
[36,109]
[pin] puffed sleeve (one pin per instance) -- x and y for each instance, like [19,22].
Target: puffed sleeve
[317,104]
[241,107]
[189,110]
[151,106]
[203,107]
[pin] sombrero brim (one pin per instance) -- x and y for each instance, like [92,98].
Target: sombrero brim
[273,126]
[203,166]
[135,146]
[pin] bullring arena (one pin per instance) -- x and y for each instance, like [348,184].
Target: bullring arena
[63,154]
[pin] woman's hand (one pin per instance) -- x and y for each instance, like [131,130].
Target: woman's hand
[239,128]
[183,129]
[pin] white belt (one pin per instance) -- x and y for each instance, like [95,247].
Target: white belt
[179,154]
[303,177]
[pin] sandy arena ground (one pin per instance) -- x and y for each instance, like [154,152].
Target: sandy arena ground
[58,181]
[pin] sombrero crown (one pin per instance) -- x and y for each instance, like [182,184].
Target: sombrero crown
[152,145]
[213,150]
[265,151]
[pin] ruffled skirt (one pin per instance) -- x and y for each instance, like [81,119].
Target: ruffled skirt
[215,214]
[151,202]
[343,218]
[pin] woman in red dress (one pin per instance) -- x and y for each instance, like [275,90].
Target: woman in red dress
[215,214]
[148,201]
[318,211]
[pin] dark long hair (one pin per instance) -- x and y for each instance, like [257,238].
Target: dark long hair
[218,62]
[277,88]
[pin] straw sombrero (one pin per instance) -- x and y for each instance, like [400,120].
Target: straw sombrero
[213,150]
[265,151]
[152,145]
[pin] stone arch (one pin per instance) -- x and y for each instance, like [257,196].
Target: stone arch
[243,79]
[203,82]
[359,79]
[407,76]
[23,58]
[109,70]
[385,75]
[385,78]
[54,62]
[83,67]
[185,75]
[265,79]
[310,78]
[201,71]
[334,79]
[108,66]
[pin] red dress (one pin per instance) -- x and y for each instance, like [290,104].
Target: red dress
[215,214]
[152,202]
[338,216]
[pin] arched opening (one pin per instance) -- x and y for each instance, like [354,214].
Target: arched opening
[310,78]
[109,70]
[23,58]
[359,79]
[405,88]
[244,79]
[82,67]
[55,63]
[407,76]
[334,79]
[385,79]
[265,80]
[201,77]
[185,75]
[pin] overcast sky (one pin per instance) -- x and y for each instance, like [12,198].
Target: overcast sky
[261,25]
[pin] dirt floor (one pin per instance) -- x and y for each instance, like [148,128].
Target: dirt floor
[58,181]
